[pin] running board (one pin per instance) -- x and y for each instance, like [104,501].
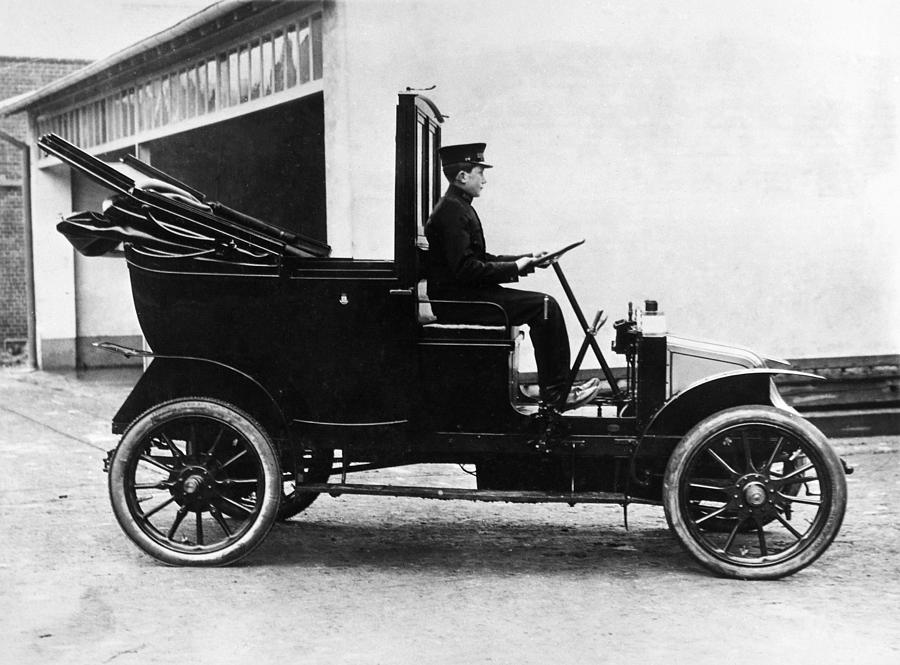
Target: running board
[450,493]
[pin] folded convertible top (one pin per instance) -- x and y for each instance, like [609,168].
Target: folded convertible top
[161,211]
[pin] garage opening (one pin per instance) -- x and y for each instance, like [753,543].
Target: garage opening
[269,164]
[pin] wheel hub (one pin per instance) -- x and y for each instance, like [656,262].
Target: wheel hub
[192,486]
[755,494]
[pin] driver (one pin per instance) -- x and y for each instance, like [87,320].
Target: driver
[459,268]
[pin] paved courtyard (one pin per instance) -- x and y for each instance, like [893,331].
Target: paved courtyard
[383,580]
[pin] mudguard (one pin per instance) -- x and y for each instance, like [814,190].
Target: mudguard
[172,377]
[715,393]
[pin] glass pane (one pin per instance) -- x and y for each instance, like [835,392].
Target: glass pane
[223,81]
[79,118]
[244,65]
[103,136]
[156,116]
[425,171]
[278,66]
[418,180]
[132,111]
[234,78]
[173,98]
[192,92]
[234,75]
[212,82]
[317,46]
[101,122]
[181,97]
[435,166]
[255,70]
[94,113]
[149,102]
[116,108]
[202,88]
[85,125]
[290,57]
[303,51]
[165,100]
[268,73]
[123,113]
[89,125]
[140,100]
[102,109]
[120,116]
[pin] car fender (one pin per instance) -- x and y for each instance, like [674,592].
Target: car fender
[173,377]
[712,394]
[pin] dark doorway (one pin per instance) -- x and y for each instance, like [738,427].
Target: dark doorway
[269,164]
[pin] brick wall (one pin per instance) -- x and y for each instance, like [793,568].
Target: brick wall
[17,76]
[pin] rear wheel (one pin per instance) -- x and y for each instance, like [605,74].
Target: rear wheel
[305,466]
[174,477]
[755,493]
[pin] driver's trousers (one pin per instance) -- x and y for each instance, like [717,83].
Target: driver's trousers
[541,312]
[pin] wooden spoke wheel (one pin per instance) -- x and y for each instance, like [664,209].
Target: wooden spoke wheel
[175,476]
[755,493]
[306,466]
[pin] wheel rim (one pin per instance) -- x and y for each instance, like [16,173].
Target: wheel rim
[194,484]
[768,486]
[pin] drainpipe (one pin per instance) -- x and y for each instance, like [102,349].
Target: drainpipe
[29,246]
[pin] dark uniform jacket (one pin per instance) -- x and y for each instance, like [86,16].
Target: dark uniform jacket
[457,256]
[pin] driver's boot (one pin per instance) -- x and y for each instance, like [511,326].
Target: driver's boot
[579,395]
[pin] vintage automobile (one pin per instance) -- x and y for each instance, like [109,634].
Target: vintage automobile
[276,371]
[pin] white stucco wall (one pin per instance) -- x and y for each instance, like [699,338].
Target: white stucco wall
[54,274]
[76,297]
[737,162]
[103,302]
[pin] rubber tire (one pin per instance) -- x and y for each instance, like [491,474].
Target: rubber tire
[762,415]
[134,439]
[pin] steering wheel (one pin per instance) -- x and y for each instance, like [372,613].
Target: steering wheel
[552,257]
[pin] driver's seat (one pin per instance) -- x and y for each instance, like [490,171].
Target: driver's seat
[432,328]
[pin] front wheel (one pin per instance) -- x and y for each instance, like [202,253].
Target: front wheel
[174,477]
[771,477]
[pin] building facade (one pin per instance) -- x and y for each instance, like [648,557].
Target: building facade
[741,171]
[18,76]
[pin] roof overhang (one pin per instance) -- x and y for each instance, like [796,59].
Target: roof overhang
[218,21]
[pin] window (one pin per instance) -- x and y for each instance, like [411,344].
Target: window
[276,59]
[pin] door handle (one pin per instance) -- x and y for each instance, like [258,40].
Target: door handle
[401,292]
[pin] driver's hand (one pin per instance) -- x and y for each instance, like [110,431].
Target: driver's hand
[525,265]
[537,260]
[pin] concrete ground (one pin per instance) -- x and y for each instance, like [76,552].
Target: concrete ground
[385,580]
